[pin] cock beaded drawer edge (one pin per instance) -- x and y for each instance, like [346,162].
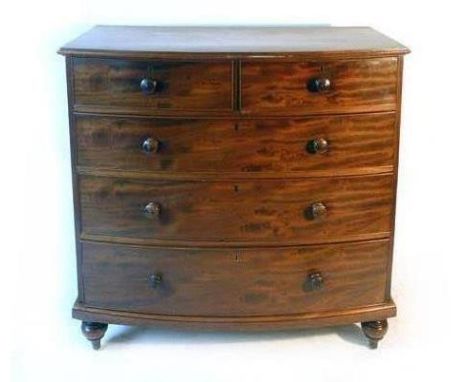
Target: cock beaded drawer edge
[234,177]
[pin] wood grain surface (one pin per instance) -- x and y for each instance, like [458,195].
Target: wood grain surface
[356,86]
[268,146]
[235,283]
[233,222]
[181,85]
[271,211]
[209,42]
[254,323]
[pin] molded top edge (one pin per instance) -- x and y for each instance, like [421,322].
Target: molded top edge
[232,41]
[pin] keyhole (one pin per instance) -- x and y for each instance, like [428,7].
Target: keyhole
[237,256]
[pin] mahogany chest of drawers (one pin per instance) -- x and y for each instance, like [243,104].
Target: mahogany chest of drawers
[234,178]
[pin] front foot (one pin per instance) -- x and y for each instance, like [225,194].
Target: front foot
[374,331]
[94,331]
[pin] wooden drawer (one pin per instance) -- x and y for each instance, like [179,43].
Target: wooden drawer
[323,144]
[116,85]
[234,282]
[291,88]
[271,211]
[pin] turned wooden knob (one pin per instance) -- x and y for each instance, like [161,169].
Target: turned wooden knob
[318,85]
[148,86]
[150,145]
[155,280]
[318,145]
[315,211]
[152,210]
[315,280]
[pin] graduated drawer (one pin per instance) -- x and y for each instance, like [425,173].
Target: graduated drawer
[234,282]
[271,211]
[325,143]
[146,87]
[345,86]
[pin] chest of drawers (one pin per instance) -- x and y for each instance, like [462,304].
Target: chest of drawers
[234,178]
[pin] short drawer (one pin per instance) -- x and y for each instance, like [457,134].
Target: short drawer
[347,86]
[147,87]
[353,143]
[234,282]
[272,211]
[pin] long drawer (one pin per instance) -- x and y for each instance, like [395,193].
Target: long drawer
[272,211]
[128,86]
[347,86]
[323,144]
[234,282]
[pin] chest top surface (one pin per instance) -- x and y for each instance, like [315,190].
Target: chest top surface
[109,41]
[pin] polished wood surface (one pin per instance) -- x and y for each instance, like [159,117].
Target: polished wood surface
[234,178]
[272,211]
[355,142]
[233,41]
[234,283]
[94,331]
[181,85]
[374,331]
[356,86]
[256,323]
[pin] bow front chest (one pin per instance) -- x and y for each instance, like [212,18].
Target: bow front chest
[234,178]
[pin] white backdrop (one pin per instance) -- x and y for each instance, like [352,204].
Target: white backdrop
[425,341]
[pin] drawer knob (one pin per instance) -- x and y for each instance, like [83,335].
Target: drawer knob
[315,279]
[150,145]
[148,86]
[315,211]
[318,85]
[152,210]
[318,145]
[155,280]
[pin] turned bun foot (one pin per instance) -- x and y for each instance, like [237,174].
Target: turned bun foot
[374,331]
[94,331]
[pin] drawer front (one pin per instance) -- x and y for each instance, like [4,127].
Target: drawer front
[327,143]
[117,85]
[347,86]
[234,282]
[292,211]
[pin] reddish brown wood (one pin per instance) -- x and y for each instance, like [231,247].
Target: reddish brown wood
[256,323]
[221,42]
[273,211]
[234,282]
[396,144]
[94,331]
[374,331]
[115,84]
[245,187]
[73,157]
[269,146]
[356,86]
